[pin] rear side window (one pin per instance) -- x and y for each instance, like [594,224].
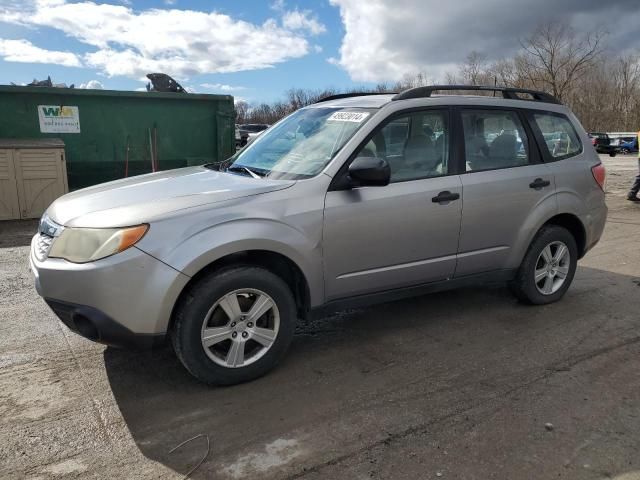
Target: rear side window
[494,139]
[560,138]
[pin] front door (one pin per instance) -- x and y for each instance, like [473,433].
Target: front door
[402,234]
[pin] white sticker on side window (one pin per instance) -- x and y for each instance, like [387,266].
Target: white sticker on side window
[348,117]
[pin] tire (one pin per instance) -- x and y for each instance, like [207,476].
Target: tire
[612,154]
[524,285]
[209,304]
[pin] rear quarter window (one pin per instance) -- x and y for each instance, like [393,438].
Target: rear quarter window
[560,138]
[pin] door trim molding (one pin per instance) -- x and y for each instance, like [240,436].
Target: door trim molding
[471,253]
[496,277]
[396,267]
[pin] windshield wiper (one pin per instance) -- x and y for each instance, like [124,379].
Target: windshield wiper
[251,172]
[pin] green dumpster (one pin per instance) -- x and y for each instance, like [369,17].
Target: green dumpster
[112,134]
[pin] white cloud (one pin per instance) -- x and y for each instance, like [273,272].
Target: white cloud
[388,39]
[92,84]
[180,43]
[25,52]
[302,20]
[277,5]
[366,53]
[221,87]
[170,2]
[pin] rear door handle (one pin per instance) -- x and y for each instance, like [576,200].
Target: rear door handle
[445,197]
[539,183]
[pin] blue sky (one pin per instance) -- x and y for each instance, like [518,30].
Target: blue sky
[256,50]
[311,70]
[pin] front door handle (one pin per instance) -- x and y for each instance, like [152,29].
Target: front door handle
[539,183]
[445,197]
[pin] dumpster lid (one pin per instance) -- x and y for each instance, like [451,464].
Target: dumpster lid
[31,143]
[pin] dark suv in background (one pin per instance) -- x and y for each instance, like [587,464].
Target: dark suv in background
[253,130]
[602,143]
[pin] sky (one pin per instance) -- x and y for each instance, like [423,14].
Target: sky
[256,50]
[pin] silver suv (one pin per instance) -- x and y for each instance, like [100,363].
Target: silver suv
[353,200]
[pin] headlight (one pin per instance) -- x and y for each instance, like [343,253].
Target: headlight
[81,245]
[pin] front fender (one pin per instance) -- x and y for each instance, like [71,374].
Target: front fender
[206,246]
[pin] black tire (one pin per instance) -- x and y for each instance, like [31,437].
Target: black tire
[524,286]
[192,310]
[612,154]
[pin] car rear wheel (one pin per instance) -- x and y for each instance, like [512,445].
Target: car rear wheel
[548,267]
[234,325]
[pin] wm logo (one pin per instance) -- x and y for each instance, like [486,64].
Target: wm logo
[57,111]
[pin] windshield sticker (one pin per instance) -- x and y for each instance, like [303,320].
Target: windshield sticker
[348,117]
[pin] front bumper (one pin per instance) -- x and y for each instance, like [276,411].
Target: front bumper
[123,300]
[95,325]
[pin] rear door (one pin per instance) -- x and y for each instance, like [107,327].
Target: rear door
[503,181]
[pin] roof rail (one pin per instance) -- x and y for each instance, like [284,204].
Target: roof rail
[507,92]
[338,96]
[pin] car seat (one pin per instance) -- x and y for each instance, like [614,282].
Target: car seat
[420,158]
[502,152]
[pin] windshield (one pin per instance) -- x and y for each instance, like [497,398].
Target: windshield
[302,144]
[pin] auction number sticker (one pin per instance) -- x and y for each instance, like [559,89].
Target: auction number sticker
[348,117]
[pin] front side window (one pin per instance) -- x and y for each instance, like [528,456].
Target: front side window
[494,139]
[560,137]
[302,144]
[415,145]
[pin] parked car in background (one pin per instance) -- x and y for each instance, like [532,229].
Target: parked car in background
[253,130]
[353,200]
[602,143]
[241,137]
[629,145]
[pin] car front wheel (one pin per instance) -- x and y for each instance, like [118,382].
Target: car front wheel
[234,325]
[548,267]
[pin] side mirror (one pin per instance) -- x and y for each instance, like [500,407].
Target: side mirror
[369,171]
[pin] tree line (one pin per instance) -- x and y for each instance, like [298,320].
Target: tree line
[603,90]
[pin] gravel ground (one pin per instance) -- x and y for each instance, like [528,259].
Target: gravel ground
[466,384]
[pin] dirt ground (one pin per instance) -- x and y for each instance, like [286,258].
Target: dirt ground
[456,385]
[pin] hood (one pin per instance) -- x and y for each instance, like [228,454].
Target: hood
[147,197]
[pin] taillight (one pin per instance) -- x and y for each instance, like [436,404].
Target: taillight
[599,174]
[594,141]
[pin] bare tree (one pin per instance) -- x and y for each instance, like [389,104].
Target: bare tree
[475,71]
[626,78]
[242,109]
[603,92]
[554,58]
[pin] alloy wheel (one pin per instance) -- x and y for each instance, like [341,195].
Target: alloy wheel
[240,328]
[552,268]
